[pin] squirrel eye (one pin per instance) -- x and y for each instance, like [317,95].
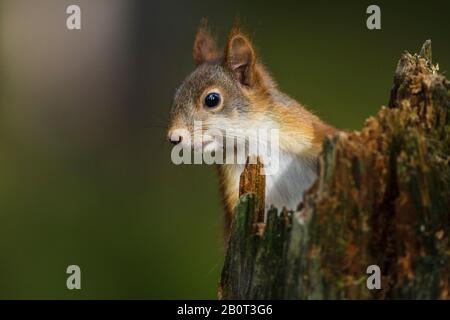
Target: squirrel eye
[212,100]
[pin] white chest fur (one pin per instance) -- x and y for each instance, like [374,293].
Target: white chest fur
[285,188]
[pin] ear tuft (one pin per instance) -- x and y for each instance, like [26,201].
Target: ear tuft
[240,57]
[205,48]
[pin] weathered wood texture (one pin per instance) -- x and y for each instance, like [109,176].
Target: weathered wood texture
[382,197]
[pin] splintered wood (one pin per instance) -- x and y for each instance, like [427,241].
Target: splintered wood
[253,180]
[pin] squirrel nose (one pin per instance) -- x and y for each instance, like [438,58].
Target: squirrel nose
[175,140]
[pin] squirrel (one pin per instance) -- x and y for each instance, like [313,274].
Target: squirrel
[235,90]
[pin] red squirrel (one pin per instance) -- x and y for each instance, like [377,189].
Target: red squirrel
[234,90]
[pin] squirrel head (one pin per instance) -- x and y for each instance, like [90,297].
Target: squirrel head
[225,91]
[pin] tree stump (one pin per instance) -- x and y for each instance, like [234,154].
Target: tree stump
[382,198]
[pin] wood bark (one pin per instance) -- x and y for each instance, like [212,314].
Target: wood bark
[382,198]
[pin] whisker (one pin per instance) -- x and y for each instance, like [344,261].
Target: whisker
[159,126]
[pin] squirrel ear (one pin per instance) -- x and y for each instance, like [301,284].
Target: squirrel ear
[240,57]
[204,44]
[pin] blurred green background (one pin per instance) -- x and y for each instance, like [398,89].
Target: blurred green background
[85,171]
